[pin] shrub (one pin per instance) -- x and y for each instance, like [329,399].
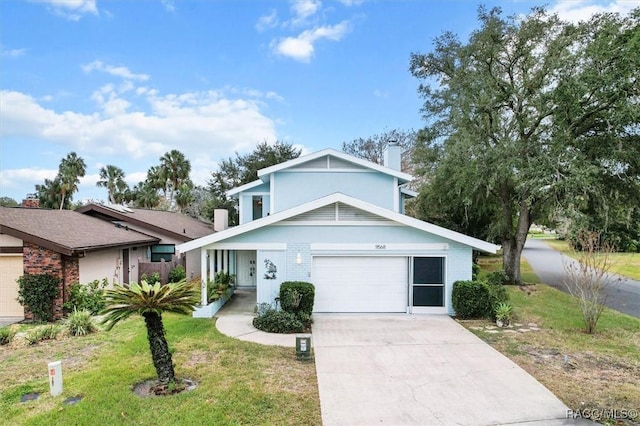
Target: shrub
[273,321]
[497,278]
[43,332]
[151,279]
[6,335]
[177,274]
[503,312]
[79,323]
[37,292]
[297,296]
[475,271]
[471,299]
[87,296]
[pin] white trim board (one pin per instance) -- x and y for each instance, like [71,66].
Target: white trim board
[381,247]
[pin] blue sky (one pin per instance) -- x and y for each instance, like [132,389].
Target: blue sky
[123,82]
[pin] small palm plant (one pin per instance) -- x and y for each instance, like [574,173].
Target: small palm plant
[151,301]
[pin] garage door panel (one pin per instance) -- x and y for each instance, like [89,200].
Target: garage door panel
[360,284]
[10,271]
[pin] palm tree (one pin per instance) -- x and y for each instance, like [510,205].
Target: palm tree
[184,196]
[151,301]
[176,168]
[71,169]
[144,195]
[112,178]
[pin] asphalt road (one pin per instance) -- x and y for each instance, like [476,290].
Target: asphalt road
[623,294]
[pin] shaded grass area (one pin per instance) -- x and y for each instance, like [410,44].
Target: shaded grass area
[625,264]
[600,371]
[238,382]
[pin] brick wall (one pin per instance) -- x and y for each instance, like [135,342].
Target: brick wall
[39,260]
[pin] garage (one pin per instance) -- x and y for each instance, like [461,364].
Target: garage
[10,271]
[360,283]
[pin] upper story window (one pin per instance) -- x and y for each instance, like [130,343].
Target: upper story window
[257,207]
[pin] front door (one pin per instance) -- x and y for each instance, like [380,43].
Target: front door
[246,268]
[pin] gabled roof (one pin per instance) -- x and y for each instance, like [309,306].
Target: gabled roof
[339,198]
[176,225]
[264,173]
[67,231]
[245,187]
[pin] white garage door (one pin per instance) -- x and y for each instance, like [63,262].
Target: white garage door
[360,284]
[10,271]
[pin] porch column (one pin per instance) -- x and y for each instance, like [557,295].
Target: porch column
[203,276]
[212,266]
[226,261]
[219,260]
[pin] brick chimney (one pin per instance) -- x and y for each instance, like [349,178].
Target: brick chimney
[31,202]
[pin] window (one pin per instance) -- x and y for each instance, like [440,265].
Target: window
[162,251]
[257,207]
[428,281]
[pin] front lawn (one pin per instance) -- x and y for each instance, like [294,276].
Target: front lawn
[600,371]
[238,382]
[625,264]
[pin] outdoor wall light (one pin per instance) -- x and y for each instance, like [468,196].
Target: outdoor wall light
[298,258]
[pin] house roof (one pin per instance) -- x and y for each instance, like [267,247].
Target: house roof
[67,231]
[341,198]
[176,225]
[264,173]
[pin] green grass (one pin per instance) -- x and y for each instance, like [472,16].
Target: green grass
[602,370]
[625,264]
[238,382]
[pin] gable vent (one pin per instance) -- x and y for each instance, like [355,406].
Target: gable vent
[343,213]
[318,163]
[323,213]
[338,163]
[348,213]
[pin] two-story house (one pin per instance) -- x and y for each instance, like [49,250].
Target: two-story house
[338,222]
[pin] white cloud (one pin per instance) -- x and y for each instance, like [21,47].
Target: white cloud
[13,53]
[351,2]
[303,9]
[380,94]
[267,21]
[169,5]
[15,178]
[116,71]
[72,9]
[582,10]
[197,123]
[301,48]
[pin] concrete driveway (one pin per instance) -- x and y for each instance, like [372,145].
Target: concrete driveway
[421,370]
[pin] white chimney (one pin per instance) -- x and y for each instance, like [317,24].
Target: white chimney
[392,156]
[220,219]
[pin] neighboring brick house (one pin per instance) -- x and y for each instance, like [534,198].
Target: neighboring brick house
[170,227]
[66,244]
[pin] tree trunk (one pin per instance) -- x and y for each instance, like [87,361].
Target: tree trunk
[512,246]
[159,348]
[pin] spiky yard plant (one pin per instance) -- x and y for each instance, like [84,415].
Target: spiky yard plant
[151,301]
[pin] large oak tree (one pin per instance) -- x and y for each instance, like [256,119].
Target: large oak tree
[530,113]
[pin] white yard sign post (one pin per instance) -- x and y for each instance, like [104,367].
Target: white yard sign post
[55,378]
